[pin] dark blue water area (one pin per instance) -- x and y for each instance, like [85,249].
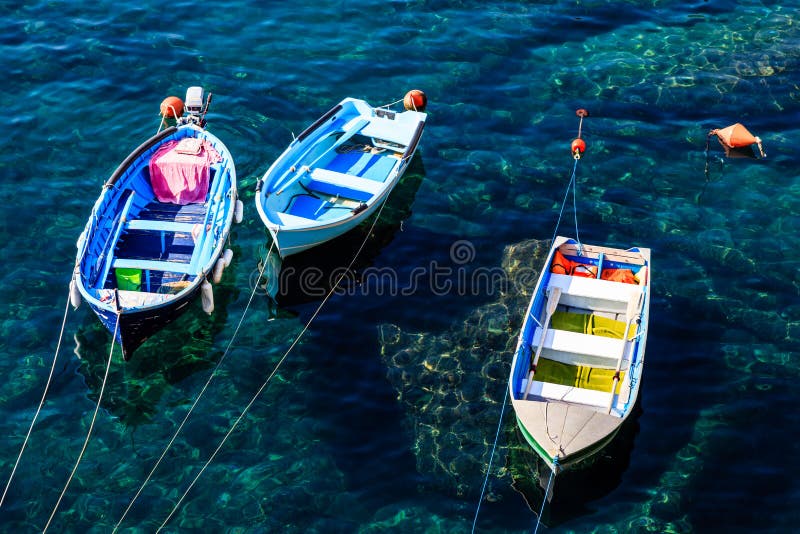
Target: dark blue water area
[382,415]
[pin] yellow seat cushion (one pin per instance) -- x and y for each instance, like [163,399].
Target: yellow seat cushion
[585,323]
[579,376]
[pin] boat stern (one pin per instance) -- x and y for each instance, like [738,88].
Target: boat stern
[564,433]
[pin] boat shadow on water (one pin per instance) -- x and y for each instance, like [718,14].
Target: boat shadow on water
[572,490]
[185,347]
[310,275]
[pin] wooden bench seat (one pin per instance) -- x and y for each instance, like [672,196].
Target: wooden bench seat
[160,226]
[572,394]
[345,185]
[154,265]
[580,349]
[593,294]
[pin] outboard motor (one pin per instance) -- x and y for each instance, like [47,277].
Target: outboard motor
[195,108]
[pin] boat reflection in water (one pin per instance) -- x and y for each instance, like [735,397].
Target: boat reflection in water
[133,388]
[574,489]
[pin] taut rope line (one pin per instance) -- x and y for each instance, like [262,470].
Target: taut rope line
[546,493]
[577,148]
[491,457]
[210,378]
[41,403]
[91,425]
[571,185]
[275,370]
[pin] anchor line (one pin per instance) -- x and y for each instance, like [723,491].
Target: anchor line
[202,391]
[546,493]
[491,457]
[275,369]
[571,185]
[91,426]
[41,403]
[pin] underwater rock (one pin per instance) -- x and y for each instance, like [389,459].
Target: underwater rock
[452,385]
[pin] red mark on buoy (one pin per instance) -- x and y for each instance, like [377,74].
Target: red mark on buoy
[415,100]
[172,107]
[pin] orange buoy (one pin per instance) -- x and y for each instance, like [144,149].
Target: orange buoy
[737,136]
[172,107]
[578,147]
[415,100]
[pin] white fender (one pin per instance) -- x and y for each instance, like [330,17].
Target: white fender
[218,268]
[238,212]
[227,256]
[207,293]
[74,294]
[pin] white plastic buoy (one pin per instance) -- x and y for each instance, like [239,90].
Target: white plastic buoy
[74,294]
[208,297]
[238,212]
[227,256]
[218,268]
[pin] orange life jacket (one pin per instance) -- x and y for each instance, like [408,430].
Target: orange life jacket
[619,275]
[562,265]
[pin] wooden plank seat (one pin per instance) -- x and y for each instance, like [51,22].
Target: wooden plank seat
[160,226]
[564,393]
[154,265]
[386,130]
[593,294]
[580,349]
[344,185]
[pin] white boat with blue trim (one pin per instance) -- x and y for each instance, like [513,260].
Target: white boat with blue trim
[337,172]
[578,364]
[156,233]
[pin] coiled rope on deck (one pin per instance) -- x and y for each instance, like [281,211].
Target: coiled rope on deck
[275,370]
[202,391]
[91,425]
[41,403]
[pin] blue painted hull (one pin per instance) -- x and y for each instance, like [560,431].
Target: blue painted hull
[136,327]
[336,174]
[143,259]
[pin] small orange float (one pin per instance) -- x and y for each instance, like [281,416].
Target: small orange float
[415,100]
[172,107]
[578,147]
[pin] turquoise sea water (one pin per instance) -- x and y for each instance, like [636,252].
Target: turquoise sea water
[382,417]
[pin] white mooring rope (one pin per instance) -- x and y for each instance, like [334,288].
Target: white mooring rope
[202,391]
[546,493]
[491,457]
[41,403]
[91,427]
[275,370]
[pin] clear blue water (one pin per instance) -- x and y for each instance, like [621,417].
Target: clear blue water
[382,417]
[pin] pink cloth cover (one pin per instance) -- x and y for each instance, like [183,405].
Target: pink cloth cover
[181,178]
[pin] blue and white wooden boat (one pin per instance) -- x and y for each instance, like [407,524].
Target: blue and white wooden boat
[336,173]
[578,365]
[142,257]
